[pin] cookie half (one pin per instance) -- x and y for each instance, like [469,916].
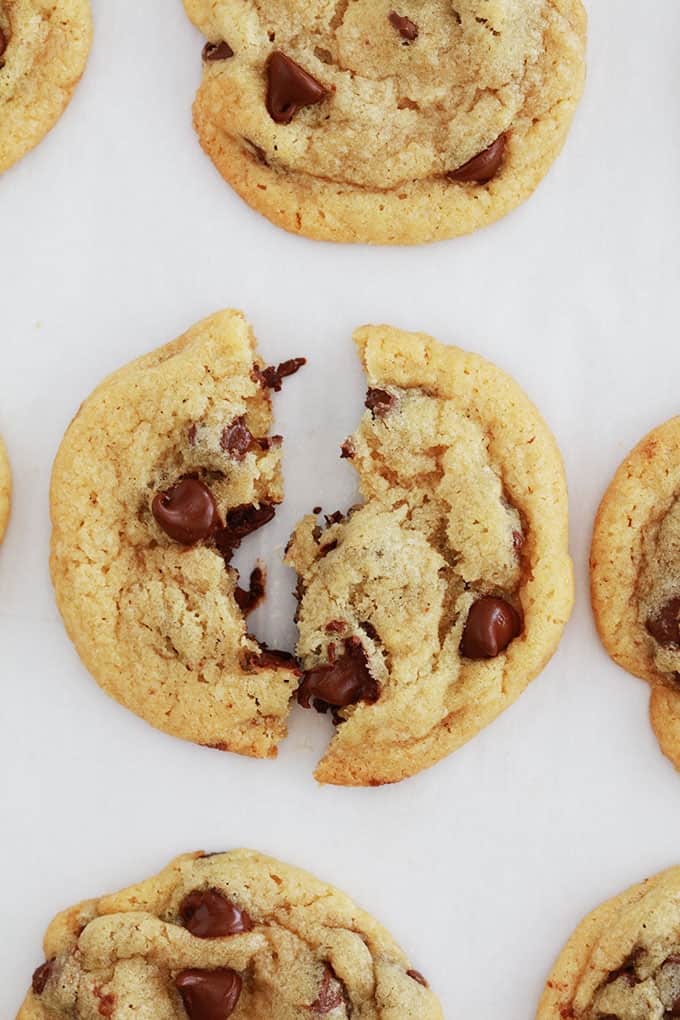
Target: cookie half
[165,469]
[387,124]
[427,610]
[635,575]
[220,935]
[623,961]
[5,490]
[44,45]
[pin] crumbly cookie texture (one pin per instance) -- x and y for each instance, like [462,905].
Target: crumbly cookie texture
[5,490]
[635,575]
[165,468]
[234,934]
[427,610]
[387,123]
[623,961]
[44,45]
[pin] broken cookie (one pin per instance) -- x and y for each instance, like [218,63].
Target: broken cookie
[426,611]
[167,467]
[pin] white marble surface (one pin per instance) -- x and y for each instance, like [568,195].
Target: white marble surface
[117,234]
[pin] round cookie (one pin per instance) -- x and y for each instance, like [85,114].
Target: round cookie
[635,575]
[44,45]
[235,934]
[426,611]
[623,961]
[5,490]
[167,466]
[387,123]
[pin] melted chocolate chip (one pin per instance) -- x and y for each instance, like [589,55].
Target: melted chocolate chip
[335,627]
[491,625]
[271,378]
[348,450]
[248,601]
[217,51]
[237,439]
[342,681]
[417,976]
[207,914]
[406,28]
[187,512]
[271,658]
[257,151]
[3,44]
[665,626]
[329,998]
[242,521]
[267,443]
[379,402]
[41,976]
[209,994]
[483,167]
[290,88]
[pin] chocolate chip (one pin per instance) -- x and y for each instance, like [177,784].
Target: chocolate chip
[191,435]
[237,439]
[491,625]
[417,976]
[209,994]
[3,44]
[406,28]
[369,630]
[335,627]
[248,601]
[207,914]
[266,443]
[328,548]
[41,976]
[107,1003]
[665,626]
[348,450]
[483,167]
[187,512]
[257,151]
[337,517]
[271,378]
[242,521]
[290,88]
[217,51]
[329,998]
[271,658]
[341,682]
[379,402]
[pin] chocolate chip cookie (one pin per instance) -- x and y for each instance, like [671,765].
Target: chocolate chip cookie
[427,610]
[44,45]
[5,490]
[234,934]
[623,961]
[164,471]
[635,575]
[387,123]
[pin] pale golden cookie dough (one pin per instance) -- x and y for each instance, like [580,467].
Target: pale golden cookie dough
[635,572]
[304,949]
[369,162]
[5,490]
[156,622]
[465,497]
[623,961]
[44,45]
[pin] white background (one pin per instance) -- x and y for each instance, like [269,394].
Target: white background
[116,234]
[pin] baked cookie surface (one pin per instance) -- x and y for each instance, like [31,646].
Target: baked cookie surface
[427,610]
[635,575]
[44,45]
[387,123]
[235,934]
[5,490]
[623,961]
[167,466]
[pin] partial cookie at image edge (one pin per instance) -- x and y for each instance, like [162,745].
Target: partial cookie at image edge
[5,490]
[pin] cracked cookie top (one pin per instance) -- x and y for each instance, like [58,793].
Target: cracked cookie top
[635,574]
[235,934]
[623,961]
[366,102]
[427,609]
[43,49]
[167,467]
